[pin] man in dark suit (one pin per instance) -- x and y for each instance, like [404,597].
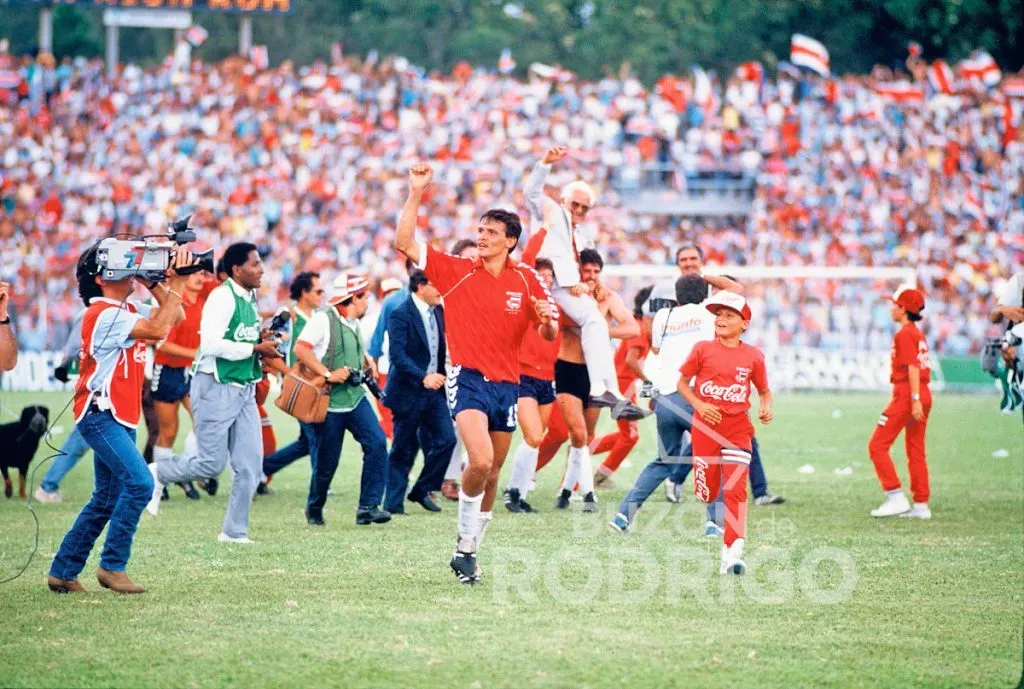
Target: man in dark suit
[416,396]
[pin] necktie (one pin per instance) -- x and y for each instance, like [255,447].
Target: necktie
[432,339]
[572,240]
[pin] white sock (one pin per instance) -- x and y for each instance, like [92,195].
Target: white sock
[162,453]
[523,466]
[454,470]
[191,445]
[469,515]
[572,470]
[482,520]
[898,493]
[586,475]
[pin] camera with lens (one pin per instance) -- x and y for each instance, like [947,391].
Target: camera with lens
[278,326]
[365,377]
[654,304]
[149,257]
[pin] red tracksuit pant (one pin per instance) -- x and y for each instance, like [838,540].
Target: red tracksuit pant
[721,462]
[895,418]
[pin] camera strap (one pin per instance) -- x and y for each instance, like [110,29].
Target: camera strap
[335,334]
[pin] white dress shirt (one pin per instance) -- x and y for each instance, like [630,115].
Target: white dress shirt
[558,243]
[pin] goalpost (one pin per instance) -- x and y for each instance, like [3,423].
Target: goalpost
[820,327]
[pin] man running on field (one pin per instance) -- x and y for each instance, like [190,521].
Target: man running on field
[489,304]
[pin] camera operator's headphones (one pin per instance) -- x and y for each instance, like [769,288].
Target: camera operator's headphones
[87,264]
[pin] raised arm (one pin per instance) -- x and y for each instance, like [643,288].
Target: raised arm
[420,176]
[720,282]
[541,207]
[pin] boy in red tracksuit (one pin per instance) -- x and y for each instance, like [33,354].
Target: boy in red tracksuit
[722,371]
[907,411]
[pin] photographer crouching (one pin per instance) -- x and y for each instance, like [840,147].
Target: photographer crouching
[223,393]
[107,405]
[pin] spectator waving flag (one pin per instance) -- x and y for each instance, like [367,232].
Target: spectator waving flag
[807,52]
[940,76]
[980,69]
[505,63]
[258,57]
[900,91]
[196,35]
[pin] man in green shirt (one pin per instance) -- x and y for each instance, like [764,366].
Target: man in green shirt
[223,393]
[331,345]
[307,294]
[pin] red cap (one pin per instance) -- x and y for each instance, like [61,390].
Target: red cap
[910,299]
[728,300]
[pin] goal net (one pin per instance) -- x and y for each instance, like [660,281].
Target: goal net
[821,328]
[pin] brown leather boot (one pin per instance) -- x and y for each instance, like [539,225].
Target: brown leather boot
[117,581]
[64,585]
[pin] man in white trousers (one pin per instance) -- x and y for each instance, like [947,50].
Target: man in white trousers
[571,294]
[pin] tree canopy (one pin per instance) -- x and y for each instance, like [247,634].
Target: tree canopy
[589,37]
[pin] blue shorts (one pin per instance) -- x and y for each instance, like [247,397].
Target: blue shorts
[468,389]
[170,384]
[541,390]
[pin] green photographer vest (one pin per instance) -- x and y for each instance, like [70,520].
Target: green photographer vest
[347,345]
[244,327]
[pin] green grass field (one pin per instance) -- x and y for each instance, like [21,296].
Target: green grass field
[565,602]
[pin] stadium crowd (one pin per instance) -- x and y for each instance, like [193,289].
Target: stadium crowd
[297,158]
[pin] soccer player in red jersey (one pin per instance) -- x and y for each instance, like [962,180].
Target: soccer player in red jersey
[907,411]
[536,398]
[489,302]
[722,371]
[629,367]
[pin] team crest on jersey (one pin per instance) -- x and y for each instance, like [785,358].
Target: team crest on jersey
[513,301]
[742,374]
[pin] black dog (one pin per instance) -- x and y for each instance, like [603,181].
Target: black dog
[18,444]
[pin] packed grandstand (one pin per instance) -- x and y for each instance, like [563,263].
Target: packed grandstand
[311,162]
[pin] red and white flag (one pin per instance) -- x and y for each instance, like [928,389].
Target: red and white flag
[1014,87]
[505,63]
[980,68]
[196,35]
[900,92]
[258,57]
[972,206]
[703,95]
[940,76]
[809,53]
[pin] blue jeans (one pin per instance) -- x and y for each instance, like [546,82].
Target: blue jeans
[673,415]
[304,445]
[123,487]
[362,423]
[758,481]
[73,449]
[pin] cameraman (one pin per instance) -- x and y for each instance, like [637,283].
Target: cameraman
[331,345]
[107,404]
[223,393]
[8,345]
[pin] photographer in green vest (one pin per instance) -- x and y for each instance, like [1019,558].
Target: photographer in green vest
[223,393]
[331,345]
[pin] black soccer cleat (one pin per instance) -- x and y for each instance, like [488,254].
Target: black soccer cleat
[590,503]
[263,488]
[526,507]
[563,500]
[190,490]
[465,568]
[512,500]
[210,485]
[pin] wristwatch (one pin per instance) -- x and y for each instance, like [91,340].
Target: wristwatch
[915,398]
[327,376]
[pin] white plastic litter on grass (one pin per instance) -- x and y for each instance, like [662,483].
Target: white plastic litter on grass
[806,469]
[836,413]
[1001,454]
[845,471]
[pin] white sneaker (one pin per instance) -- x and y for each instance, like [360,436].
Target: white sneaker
[224,538]
[895,503]
[732,558]
[919,511]
[158,490]
[672,491]
[45,497]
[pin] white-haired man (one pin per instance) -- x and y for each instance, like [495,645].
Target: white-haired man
[572,295]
